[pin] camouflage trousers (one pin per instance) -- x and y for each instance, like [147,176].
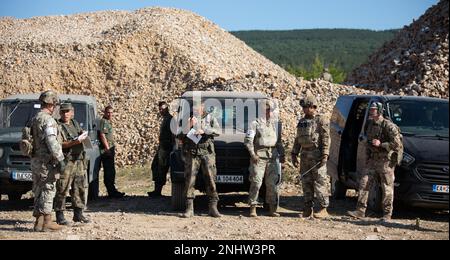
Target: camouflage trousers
[161,167]
[316,183]
[44,179]
[264,169]
[207,165]
[377,171]
[73,180]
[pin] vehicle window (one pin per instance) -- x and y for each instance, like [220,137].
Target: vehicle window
[228,116]
[20,113]
[424,118]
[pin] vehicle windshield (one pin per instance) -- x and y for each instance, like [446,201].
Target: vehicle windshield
[19,113]
[235,114]
[420,118]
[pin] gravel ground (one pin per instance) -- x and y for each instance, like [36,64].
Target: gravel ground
[138,217]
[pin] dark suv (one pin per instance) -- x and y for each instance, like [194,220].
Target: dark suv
[15,112]
[234,111]
[422,179]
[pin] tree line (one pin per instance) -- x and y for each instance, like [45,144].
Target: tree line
[305,53]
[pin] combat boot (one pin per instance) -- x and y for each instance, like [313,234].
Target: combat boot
[253,211]
[39,224]
[386,218]
[213,212]
[156,193]
[49,225]
[273,210]
[307,212]
[189,209]
[79,217]
[323,213]
[60,219]
[359,214]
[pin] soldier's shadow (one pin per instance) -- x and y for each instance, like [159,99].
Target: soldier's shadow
[18,225]
[229,204]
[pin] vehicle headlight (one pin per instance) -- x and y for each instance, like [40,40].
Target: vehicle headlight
[1,152]
[407,159]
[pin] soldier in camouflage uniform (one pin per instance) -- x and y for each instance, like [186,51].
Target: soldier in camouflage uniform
[74,177]
[313,144]
[384,147]
[201,155]
[160,164]
[265,148]
[47,162]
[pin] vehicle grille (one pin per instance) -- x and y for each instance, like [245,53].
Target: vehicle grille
[19,160]
[434,172]
[232,159]
[15,147]
[436,197]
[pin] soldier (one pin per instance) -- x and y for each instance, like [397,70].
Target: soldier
[74,177]
[313,144]
[160,165]
[265,149]
[47,162]
[384,147]
[201,155]
[108,153]
[326,75]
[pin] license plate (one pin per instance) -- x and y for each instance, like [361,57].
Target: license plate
[239,179]
[440,188]
[22,176]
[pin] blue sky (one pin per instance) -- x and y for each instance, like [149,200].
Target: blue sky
[250,14]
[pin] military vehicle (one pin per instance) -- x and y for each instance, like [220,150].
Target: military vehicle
[235,111]
[15,112]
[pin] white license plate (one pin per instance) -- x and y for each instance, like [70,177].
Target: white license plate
[239,179]
[22,176]
[440,188]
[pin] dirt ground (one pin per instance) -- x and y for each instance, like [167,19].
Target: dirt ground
[138,217]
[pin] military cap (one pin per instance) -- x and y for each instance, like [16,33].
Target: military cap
[66,106]
[309,101]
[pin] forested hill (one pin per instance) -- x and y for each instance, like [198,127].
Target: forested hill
[343,48]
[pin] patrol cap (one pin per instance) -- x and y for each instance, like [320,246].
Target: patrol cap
[309,101]
[66,107]
[49,97]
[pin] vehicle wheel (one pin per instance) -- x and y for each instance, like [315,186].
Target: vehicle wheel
[338,189]
[14,196]
[93,190]
[375,197]
[178,199]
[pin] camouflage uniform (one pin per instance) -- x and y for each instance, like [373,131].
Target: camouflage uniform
[160,165]
[202,156]
[47,162]
[47,152]
[74,177]
[380,164]
[313,143]
[262,141]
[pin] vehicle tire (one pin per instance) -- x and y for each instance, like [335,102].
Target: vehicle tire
[14,196]
[93,190]
[178,199]
[338,189]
